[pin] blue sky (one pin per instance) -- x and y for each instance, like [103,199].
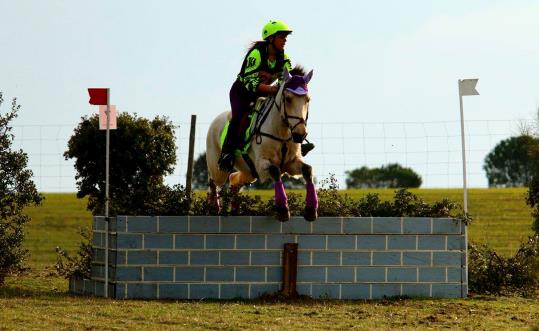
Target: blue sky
[374,61]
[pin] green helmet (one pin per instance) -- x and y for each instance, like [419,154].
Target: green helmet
[272,27]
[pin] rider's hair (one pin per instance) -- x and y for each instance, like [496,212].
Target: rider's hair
[255,44]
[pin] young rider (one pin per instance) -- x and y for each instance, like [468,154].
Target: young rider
[262,65]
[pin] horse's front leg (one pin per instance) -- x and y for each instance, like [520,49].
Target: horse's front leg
[311,201]
[281,200]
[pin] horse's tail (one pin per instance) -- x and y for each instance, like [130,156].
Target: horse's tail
[213,148]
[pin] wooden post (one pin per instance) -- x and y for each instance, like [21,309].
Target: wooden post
[290,270]
[189,179]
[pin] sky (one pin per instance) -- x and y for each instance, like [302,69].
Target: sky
[387,63]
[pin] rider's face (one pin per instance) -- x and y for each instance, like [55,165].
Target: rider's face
[280,41]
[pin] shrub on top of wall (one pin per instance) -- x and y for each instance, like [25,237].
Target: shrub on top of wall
[331,203]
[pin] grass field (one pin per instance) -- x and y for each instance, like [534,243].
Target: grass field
[38,300]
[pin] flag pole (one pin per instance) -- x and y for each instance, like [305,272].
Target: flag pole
[464,289]
[107,222]
[465,189]
[466,87]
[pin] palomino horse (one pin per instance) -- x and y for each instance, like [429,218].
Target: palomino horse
[275,147]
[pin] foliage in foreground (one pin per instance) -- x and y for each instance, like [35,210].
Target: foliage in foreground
[17,190]
[80,265]
[490,273]
[174,201]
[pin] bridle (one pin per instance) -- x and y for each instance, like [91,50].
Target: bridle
[285,118]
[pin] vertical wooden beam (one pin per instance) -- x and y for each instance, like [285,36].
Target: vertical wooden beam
[189,179]
[290,270]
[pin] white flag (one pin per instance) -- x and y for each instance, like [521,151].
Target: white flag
[467,87]
[103,117]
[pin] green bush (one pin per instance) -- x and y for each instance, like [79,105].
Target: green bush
[79,265]
[490,273]
[332,203]
[511,163]
[142,152]
[392,175]
[17,190]
[406,204]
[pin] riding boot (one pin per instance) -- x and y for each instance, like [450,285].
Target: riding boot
[306,148]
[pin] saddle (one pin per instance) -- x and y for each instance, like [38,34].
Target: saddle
[259,107]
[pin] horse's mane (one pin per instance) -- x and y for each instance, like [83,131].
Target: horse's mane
[298,70]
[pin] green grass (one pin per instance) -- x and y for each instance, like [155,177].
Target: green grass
[41,303]
[55,223]
[38,300]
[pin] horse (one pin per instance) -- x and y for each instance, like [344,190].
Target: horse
[275,147]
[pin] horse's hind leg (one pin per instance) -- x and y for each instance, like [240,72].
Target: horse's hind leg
[311,201]
[237,180]
[213,198]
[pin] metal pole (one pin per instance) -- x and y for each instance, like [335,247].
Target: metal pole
[463,154]
[189,179]
[106,290]
[464,292]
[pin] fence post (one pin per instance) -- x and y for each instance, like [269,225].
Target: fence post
[189,179]
[290,270]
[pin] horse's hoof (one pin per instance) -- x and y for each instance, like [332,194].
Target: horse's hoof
[283,214]
[311,214]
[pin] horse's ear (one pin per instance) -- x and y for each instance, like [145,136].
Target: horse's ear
[286,75]
[308,76]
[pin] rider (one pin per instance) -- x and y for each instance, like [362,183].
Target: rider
[262,65]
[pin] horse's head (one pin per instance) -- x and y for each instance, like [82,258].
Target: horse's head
[295,102]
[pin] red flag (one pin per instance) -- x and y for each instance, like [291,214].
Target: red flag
[98,96]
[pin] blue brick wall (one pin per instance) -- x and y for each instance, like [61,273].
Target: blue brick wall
[184,257]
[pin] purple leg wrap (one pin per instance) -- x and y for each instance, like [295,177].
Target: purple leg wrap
[281,200]
[312,199]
